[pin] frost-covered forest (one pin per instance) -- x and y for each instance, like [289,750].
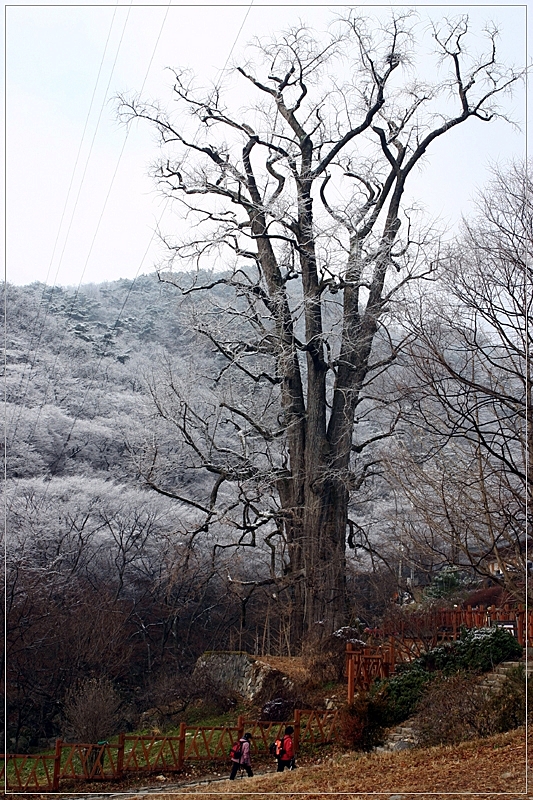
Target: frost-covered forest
[333,419]
[111,568]
[102,578]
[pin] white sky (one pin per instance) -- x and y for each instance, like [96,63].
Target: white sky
[102,229]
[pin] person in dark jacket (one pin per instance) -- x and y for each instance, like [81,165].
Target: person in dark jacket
[243,761]
[286,759]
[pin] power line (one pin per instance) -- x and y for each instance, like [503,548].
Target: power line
[236,40]
[103,354]
[74,299]
[80,145]
[217,85]
[32,347]
[105,98]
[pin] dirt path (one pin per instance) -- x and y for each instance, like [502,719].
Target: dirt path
[167,787]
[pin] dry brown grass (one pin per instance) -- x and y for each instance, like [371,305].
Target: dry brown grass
[293,667]
[484,767]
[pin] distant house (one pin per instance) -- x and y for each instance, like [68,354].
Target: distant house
[487,596]
[510,560]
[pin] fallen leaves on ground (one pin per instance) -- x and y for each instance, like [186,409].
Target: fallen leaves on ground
[293,666]
[484,767]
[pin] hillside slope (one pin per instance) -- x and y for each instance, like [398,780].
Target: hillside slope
[486,767]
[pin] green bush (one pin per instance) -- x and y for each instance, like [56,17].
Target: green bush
[402,693]
[449,582]
[477,650]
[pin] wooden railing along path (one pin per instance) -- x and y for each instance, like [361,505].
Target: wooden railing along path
[403,638]
[446,623]
[146,754]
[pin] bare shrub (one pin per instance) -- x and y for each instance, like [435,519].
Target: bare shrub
[208,690]
[363,721]
[92,711]
[510,705]
[177,697]
[452,710]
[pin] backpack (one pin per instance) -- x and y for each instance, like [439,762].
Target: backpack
[276,748]
[236,750]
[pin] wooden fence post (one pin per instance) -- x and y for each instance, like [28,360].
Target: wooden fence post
[57,766]
[181,745]
[520,633]
[350,671]
[120,754]
[297,727]
[240,727]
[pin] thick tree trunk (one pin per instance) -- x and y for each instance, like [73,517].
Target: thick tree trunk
[317,559]
[324,558]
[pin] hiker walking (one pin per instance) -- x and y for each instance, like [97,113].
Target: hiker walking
[240,756]
[285,753]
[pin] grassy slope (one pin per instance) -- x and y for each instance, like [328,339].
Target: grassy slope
[486,767]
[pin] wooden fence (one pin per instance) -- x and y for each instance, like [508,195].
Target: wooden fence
[446,623]
[146,754]
[365,666]
[403,637]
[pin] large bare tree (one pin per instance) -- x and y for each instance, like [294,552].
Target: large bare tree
[298,200]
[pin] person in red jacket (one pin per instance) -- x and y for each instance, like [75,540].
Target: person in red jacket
[286,758]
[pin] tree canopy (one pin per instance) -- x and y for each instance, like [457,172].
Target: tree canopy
[300,199]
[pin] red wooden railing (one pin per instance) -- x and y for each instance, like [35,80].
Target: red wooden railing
[446,623]
[91,762]
[31,773]
[316,727]
[143,754]
[403,636]
[366,665]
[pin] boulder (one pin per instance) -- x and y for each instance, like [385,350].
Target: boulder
[277,710]
[244,674]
